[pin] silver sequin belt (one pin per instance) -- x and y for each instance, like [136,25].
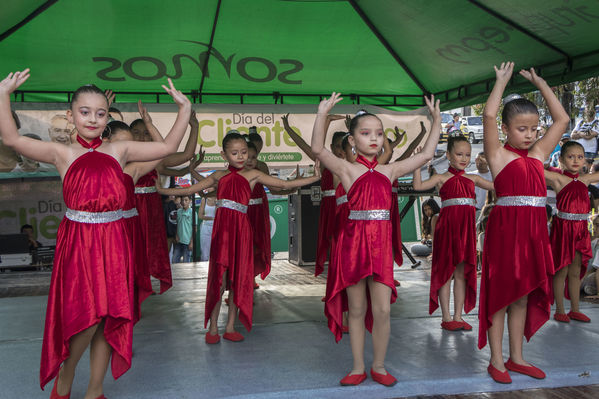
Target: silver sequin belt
[341,200]
[458,201]
[236,206]
[145,190]
[93,217]
[129,213]
[373,214]
[328,193]
[522,200]
[255,201]
[394,190]
[572,216]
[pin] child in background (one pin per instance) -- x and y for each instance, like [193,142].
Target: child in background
[516,280]
[184,240]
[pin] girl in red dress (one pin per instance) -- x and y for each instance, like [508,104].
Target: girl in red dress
[231,250]
[516,279]
[92,258]
[365,267]
[149,202]
[259,216]
[570,238]
[454,248]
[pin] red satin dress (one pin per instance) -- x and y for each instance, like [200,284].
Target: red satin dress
[259,216]
[569,236]
[143,284]
[326,221]
[396,224]
[92,277]
[517,257]
[363,248]
[151,216]
[455,240]
[231,249]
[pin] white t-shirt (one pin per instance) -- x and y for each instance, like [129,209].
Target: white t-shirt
[481,193]
[589,145]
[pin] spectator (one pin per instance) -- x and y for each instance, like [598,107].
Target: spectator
[184,242]
[170,220]
[430,214]
[590,281]
[586,132]
[60,129]
[28,230]
[483,171]
[554,159]
[9,157]
[454,127]
[206,213]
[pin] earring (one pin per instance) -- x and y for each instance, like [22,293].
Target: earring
[226,164]
[382,150]
[353,150]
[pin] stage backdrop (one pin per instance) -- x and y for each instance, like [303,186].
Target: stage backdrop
[47,121]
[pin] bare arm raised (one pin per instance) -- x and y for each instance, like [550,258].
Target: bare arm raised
[491,144]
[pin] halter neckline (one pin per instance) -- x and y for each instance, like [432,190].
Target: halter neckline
[570,175]
[95,143]
[369,164]
[455,171]
[522,153]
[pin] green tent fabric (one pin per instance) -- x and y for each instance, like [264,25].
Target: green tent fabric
[383,52]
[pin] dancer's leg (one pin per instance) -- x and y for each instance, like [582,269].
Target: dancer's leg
[516,319]
[356,295]
[99,357]
[495,334]
[459,292]
[574,282]
[380,297]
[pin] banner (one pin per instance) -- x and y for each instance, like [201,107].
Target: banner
[48,122]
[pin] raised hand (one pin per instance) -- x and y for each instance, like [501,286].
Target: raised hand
[13,81]
[193,119]
[347,122]
[317,168]
[399,134]
[201,155]
[143,112]
[433,106]
[327,105]
[532,77]
[335,117]
[503,74]
[285,119]
[179,98]
[110,96]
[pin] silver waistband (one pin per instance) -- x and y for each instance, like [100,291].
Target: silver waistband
[93,217]
[522,200]
[145,190]
[572,216]
[373,214]
[458,201]
[236,206]
[394,190]
[341,200]
[255,201]
[328,193]
[129,213]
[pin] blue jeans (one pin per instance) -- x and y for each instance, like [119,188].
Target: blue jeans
[180,250]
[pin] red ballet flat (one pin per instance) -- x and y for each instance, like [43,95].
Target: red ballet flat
[465,326]
[384,379]
[353,379]
[212,339]
[345,329]
[561,317]
[234,337]
[579,317]
[256,285]
[451,325]
[530,371]
[499,376]
[101,397]
[396,283]
[54,394]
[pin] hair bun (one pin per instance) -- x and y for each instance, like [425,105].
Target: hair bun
[361,112]
[232,131]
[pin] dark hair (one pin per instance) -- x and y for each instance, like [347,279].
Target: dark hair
[230,137]
[26,226]
[252,146]
[113,126]
[255,137]
[567,146]
[451,142]
[516,107]
[356,119]
[426,221]
[135,122]
[345,142]
[549,211]
[338,136]
[16,118]
[93,89]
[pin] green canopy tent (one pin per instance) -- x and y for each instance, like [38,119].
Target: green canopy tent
[383,52]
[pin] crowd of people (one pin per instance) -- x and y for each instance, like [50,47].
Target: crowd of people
[113,236]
